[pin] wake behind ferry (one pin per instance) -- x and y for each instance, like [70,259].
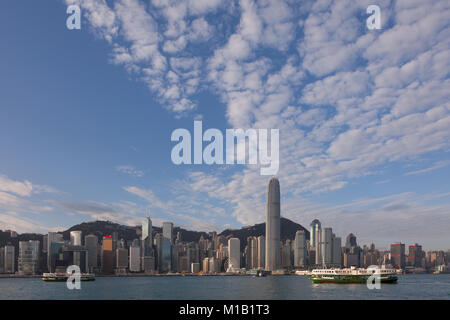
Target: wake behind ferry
[350,275]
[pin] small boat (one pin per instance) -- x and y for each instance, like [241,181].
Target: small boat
[261,273]
[302,272]
[62,277]
[351,275]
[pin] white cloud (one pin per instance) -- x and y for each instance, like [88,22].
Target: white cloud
[437,165]
[130,170]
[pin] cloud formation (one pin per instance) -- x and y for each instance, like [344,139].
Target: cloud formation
[346,99]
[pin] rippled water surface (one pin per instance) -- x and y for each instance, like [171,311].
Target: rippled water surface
[426,286]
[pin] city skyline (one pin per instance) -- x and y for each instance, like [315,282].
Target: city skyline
[86,115]
[119,256]
[384,247]
[216,254]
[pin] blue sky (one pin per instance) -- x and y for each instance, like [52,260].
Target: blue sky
[364,116]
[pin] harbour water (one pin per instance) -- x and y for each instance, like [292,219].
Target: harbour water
[412,286]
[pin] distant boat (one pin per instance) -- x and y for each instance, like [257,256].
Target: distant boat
[350,275]
[302,272]
[62,277]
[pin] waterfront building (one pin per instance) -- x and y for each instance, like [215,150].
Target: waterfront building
[75,240]
[252,253]
[176,248]
[28,261]
[398,255]
[53,250]
[158,254]
[2,260]
[300,249]
[213,265]
[135,258]
[286,252]
[167,230]
[147,238]
[192,253]
[91,243]
[205,265]
[73,255]
[166,255]
[195,267]
[415,255]
[183,265]
[121,258]
[326,246]
[337,251]
[107,255]
[261,247]
[55,255]
[273,254]
[148,265]
[234,254]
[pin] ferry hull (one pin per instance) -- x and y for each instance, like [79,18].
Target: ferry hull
[350,280]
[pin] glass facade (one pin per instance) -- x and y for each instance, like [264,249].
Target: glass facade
[166,256]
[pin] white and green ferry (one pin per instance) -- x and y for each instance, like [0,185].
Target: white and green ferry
[351,275]
[62,277]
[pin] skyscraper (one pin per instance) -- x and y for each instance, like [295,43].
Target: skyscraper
[91,243]
[252,253]
[261,252]
[273,254]
[337,251]
[398,255]
[108,255]
[135,258]
[147,237]
[167,230]
[350,241]
[415,255]
[326,249]
[166,256]
[28,261]
[52,250]
[75,238]
[300,249]
[10,266]
[315,226]
[234,254]
[121,259]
